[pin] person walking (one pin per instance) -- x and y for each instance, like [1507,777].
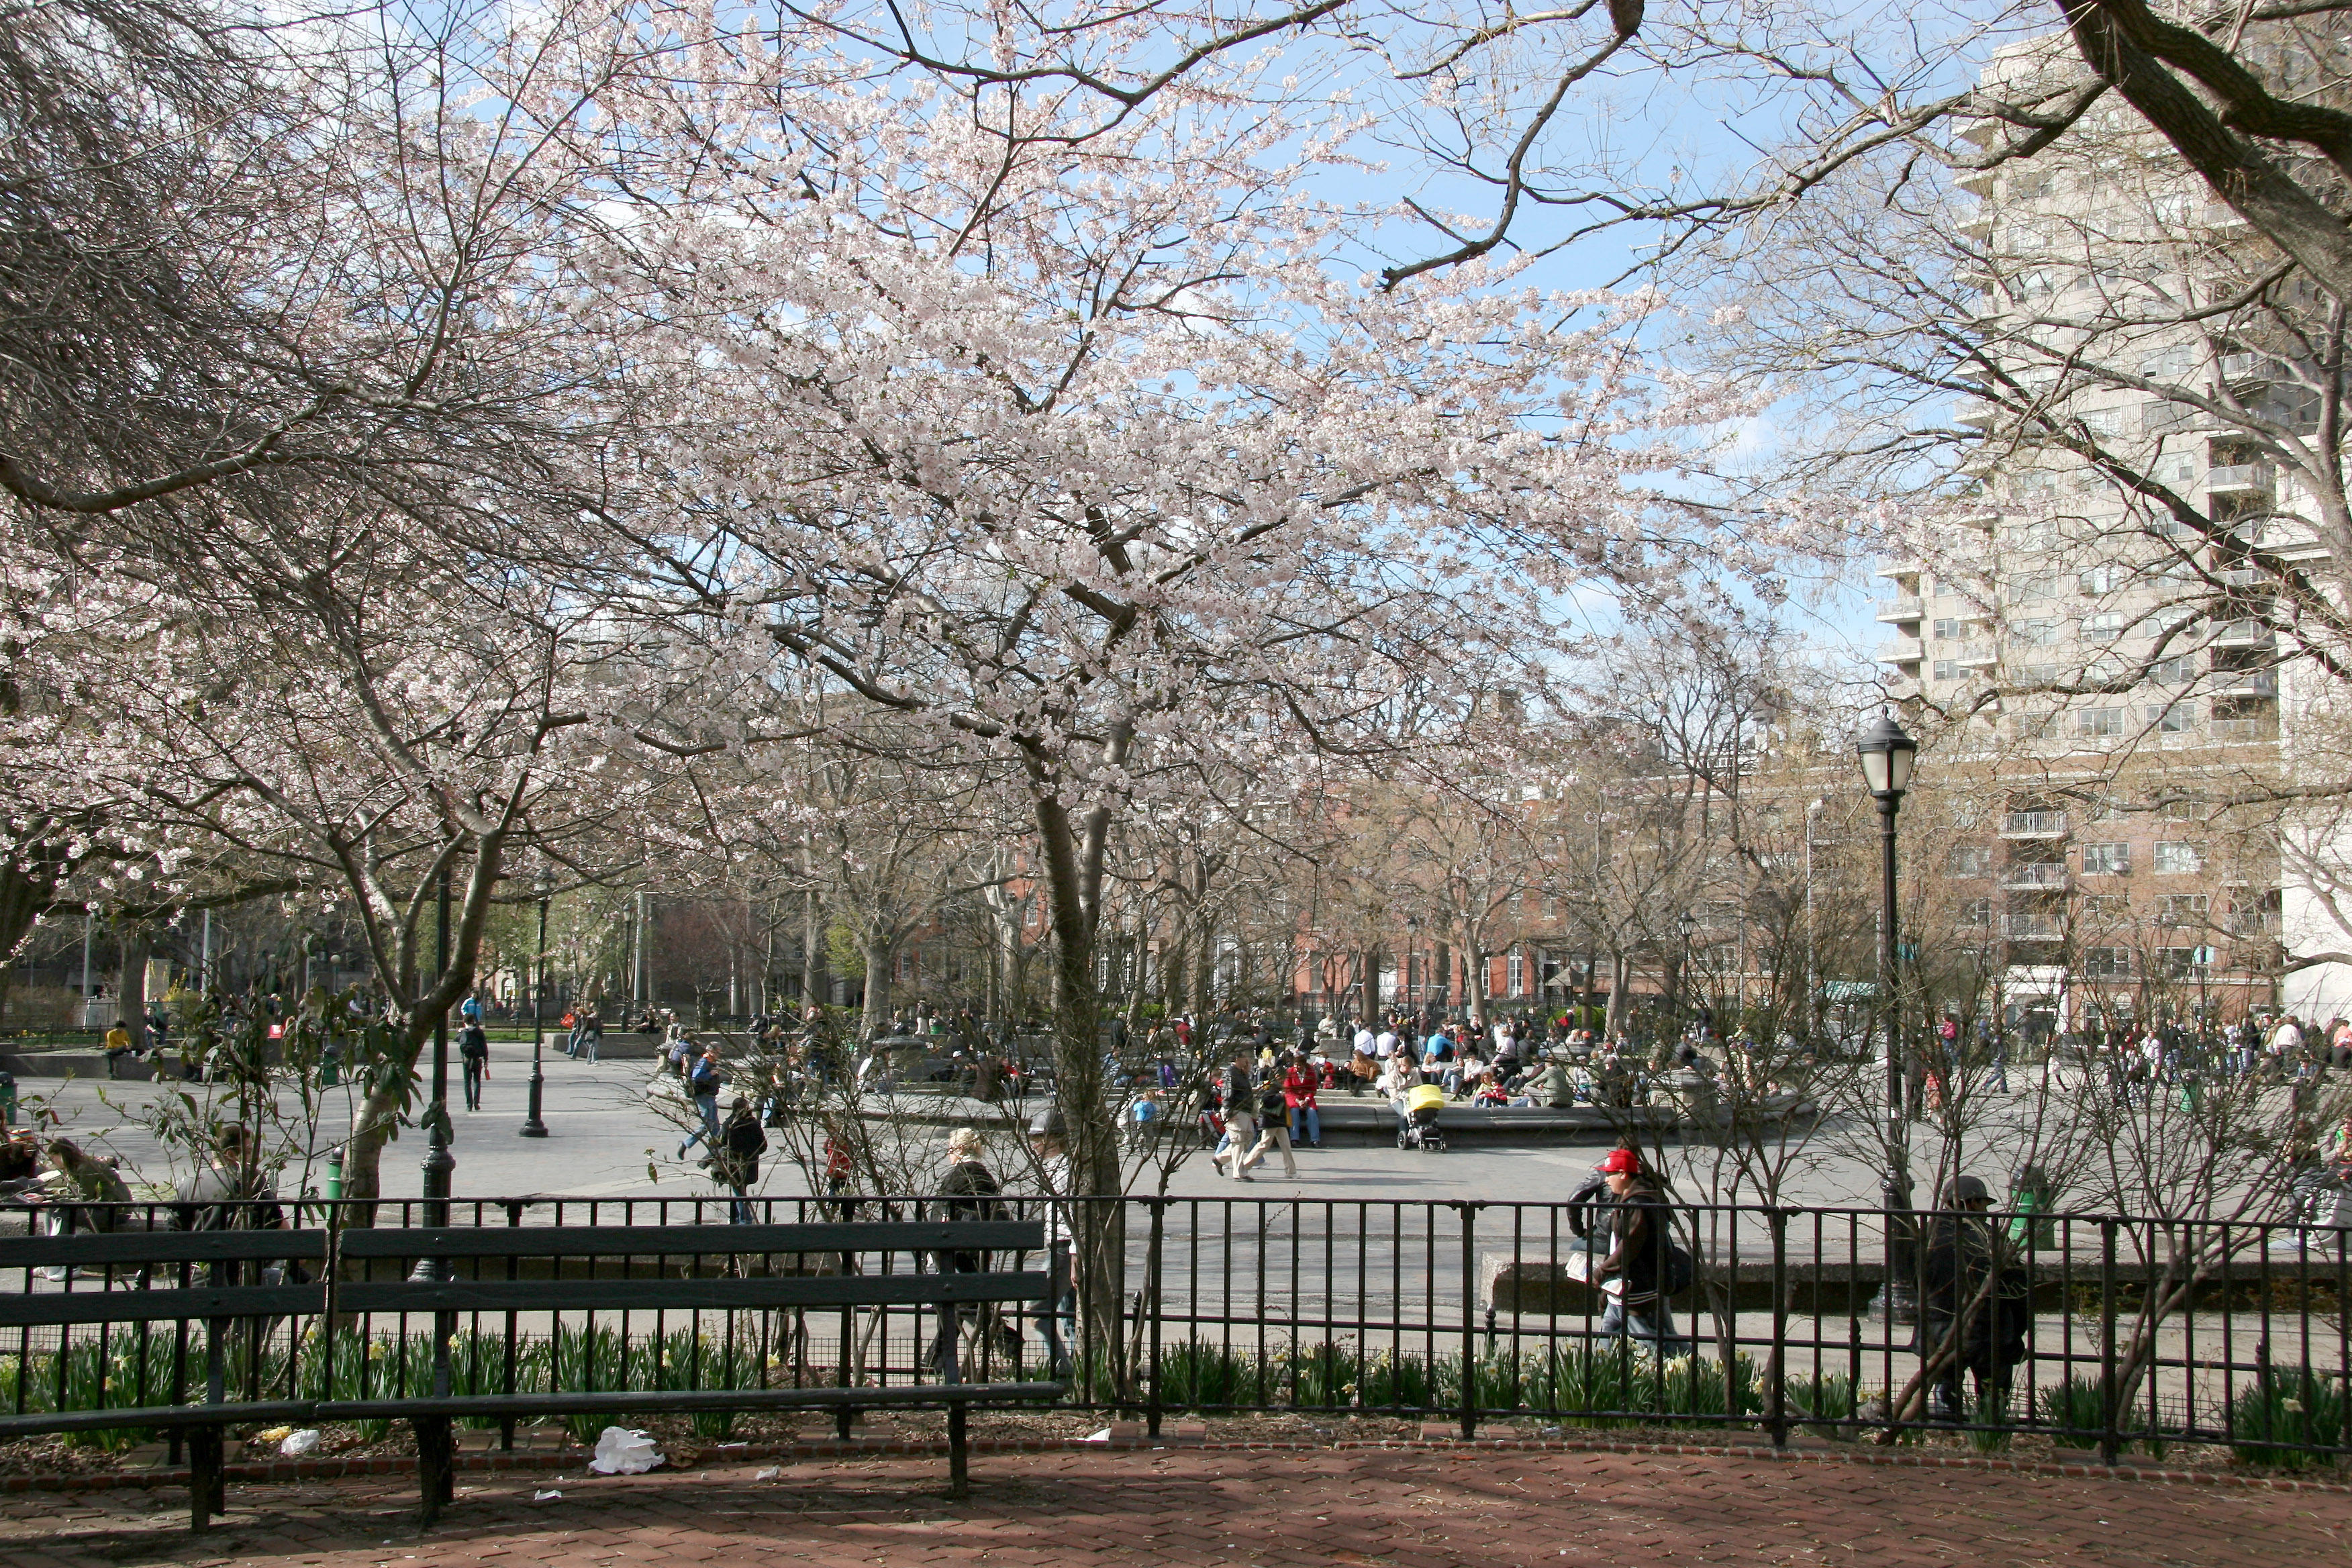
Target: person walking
[741,1142]
[703,1082]
[474,1054]
[1240,1118]
[1633,1272]
[1274,1128]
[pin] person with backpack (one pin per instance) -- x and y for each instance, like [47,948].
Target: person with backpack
[974,1195]
[703,1082]
[1636,1273]
[474,1052]
[1273,1131]
[1976,1305]
[1240,1106]
[741,1144]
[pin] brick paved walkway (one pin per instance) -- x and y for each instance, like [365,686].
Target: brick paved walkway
[1404,1507]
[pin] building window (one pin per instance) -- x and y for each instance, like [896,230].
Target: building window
[2101,722]
[2105,907]
[2107,624]
[2177,962]
[1947,669]
[1971,861]
[2172,718]
[2176,671]
[1977,912]
[2182,908]
[2106,964]
[1518,975]
[1948,630]
[2179,860]
[2035,633]
[2106,859]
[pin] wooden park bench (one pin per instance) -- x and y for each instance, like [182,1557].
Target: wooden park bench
[212,1278]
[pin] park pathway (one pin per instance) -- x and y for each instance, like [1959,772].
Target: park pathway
[1413,1508]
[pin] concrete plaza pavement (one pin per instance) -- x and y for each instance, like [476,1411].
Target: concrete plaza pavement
[606,1141]
[1405,1507]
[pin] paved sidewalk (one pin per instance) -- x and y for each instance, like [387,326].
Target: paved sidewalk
[1405,1507]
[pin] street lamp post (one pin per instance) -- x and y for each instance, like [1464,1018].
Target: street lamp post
[1812,968]
[532,1126]
[1684,925]
[1405,984]
[1888,755]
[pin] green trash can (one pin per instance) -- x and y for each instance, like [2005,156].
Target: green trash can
[7,1100]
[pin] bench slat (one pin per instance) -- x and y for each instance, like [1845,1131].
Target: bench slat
[141,1246]
[299,1411]
[685,1240]
[624,1400]
[712,1295]
[47,1306]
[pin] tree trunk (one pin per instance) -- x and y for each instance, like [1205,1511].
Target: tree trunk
[138,944]
[879,952]
[1615,1017]
[1371,985]
[22,898]
[372,1126]
[1099,1253]
[811,952]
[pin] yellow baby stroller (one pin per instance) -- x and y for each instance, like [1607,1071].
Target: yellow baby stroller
[1417,1125]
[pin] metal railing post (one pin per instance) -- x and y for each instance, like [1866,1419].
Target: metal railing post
[1469,1211]
[2110,1439]
[1776,1408]
[1151,1285]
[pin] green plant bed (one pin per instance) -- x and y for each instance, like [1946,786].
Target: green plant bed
[2291,1404]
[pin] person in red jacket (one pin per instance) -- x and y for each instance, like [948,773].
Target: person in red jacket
[1298,1086]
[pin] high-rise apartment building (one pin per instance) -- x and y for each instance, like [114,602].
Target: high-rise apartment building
[2109,619]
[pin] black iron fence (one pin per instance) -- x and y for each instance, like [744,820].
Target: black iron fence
[2103,1332]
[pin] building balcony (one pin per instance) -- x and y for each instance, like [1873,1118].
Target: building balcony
[2252,732]
[1900,568]
[1900,650]
[1979,183]
[2246,683]
[2033,824]
[1976,656]
[2032,928]
[1974,413]
[2035,876]
[1903,608]
[2243,369]
[2242,479]
[2241,633]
